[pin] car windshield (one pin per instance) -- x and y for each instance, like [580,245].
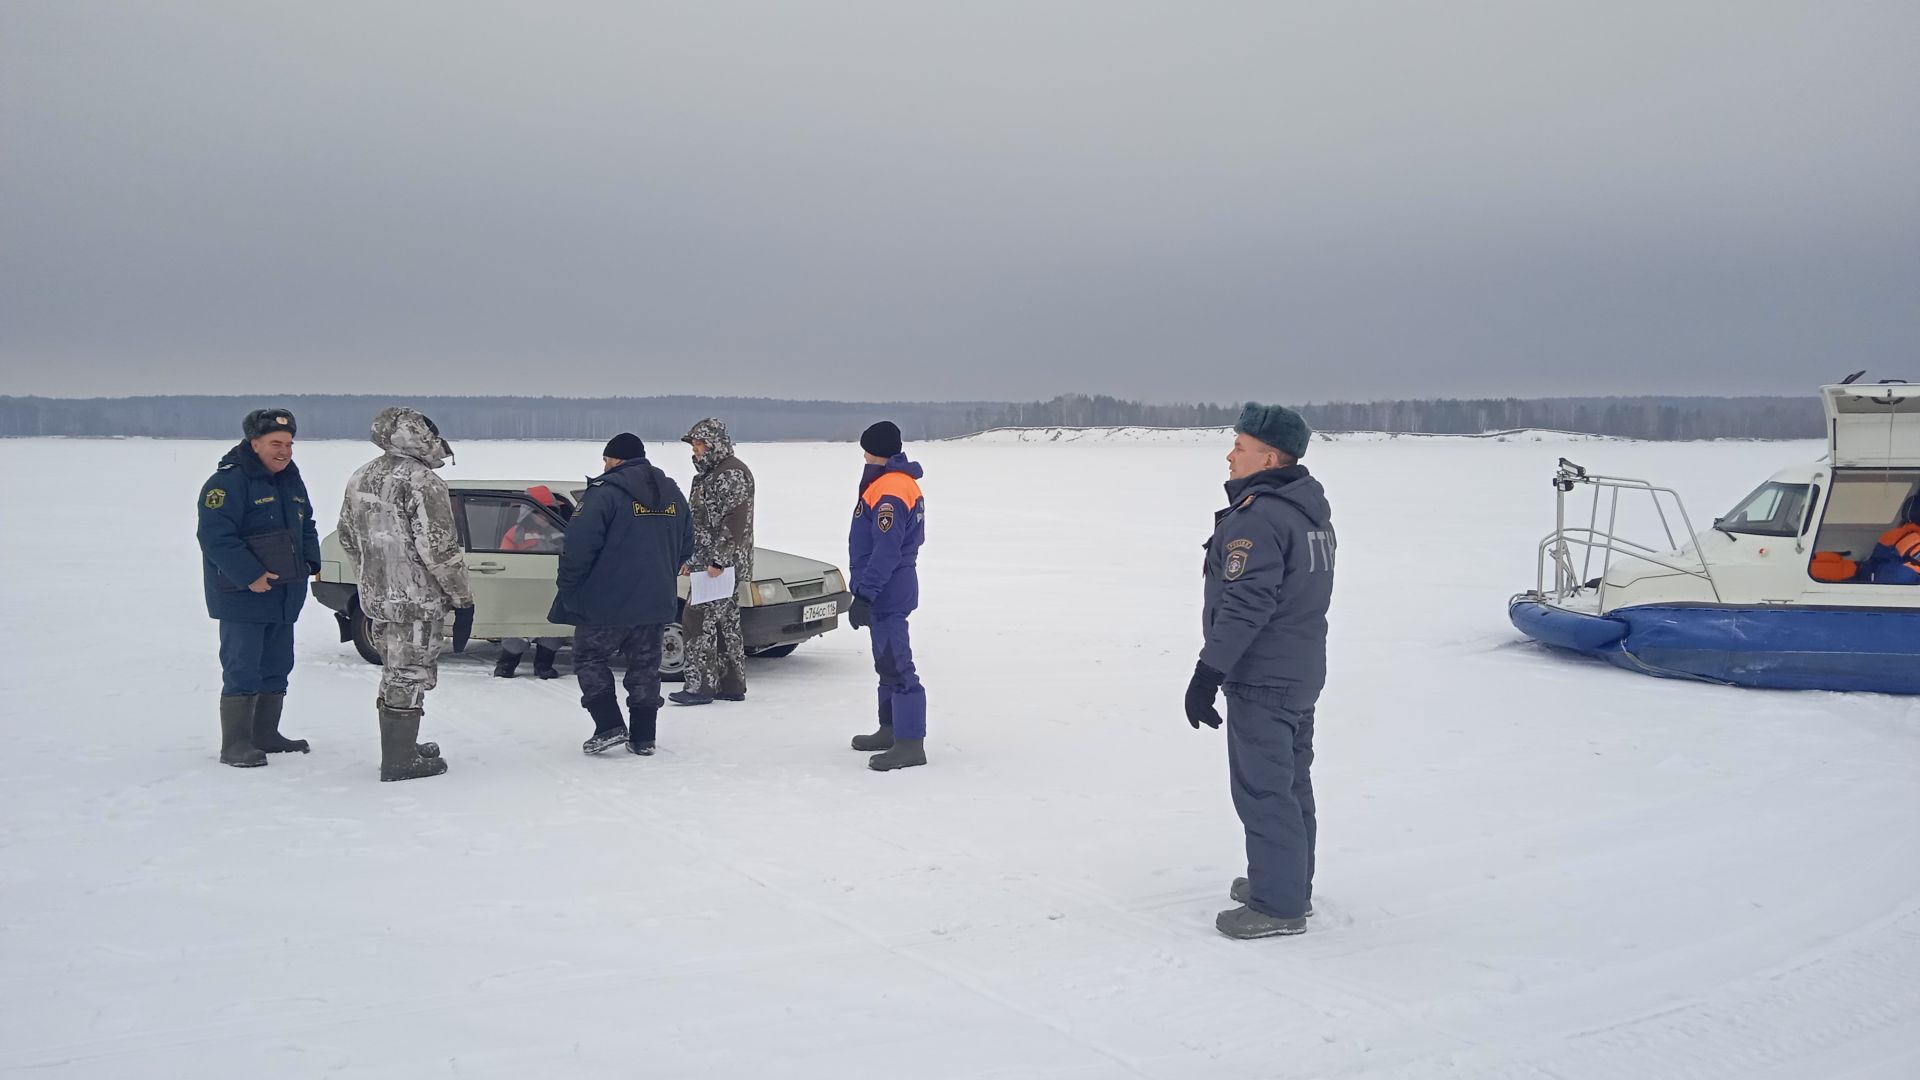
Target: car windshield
[1774,509]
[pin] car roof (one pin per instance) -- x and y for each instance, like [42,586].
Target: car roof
[464,484]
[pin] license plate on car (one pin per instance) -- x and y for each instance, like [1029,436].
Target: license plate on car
[816,612]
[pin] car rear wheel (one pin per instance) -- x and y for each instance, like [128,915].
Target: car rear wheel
[673,653]
[363,642]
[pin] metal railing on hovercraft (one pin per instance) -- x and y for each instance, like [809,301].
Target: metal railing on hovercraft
[1557,546]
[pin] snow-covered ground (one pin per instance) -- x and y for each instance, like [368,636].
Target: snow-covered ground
[1530,866]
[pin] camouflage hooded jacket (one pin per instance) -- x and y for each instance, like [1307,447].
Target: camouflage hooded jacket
[397,524]
[722,500]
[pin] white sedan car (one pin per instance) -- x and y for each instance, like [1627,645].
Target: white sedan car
[513,543]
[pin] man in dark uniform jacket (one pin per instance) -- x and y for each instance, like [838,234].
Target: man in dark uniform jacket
[258,546]
[617,586]
[1269,580]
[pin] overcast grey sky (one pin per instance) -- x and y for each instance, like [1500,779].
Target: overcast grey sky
[884,198]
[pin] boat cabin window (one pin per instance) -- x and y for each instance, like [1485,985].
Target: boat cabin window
[1774,509]
[1864,506]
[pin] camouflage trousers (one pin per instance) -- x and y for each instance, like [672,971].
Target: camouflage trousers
[716,653]
[409,661]
[594,646]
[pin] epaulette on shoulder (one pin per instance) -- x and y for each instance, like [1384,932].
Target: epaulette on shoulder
[225,465]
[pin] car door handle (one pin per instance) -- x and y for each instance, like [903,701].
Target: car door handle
[487,568]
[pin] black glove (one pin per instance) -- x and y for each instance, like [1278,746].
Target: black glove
[462,627]
[1200,696]
[861,613]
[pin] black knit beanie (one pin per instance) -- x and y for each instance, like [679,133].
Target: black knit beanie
[882,439]
[625,446]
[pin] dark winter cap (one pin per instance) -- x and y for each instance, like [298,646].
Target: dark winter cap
[267,421]
[882,439]
[625,446]
[1277,426]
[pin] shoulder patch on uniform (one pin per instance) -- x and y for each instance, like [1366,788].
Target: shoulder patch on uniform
[1237,551]
[216,497]
[883,517]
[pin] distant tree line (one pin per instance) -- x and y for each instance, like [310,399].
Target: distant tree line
[1663,419]
[347,416]
[338,416]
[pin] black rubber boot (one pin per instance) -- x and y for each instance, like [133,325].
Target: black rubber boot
[543,662]
[400,757]
[266,727]
[425,749]
[640,730]
[879,740]
[904,754]
[236,732]
[1245,924]
[508,663]
[609,727]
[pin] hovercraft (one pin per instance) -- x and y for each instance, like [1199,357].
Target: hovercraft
[1812,582]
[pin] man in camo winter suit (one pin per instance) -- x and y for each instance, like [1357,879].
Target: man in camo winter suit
[722,498]
[397,524]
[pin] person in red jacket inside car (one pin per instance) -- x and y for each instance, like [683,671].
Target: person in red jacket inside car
[532,531]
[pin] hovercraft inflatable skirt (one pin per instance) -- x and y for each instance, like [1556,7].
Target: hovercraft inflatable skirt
[1775,647]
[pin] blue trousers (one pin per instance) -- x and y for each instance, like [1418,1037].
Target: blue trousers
[1270,759]
[255,657]
[903,701]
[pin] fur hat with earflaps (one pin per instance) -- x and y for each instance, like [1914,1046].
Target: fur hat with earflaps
[1277,426]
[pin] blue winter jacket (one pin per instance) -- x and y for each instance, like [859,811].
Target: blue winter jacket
[883,545]
[248,514]
[1886,566]
[621,562]
[1269,580]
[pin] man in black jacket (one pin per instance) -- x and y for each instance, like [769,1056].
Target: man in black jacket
[1269,580]
[617,585]
[258,545]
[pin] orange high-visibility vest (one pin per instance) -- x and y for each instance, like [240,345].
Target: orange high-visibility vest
[1905,541]
[1832,566]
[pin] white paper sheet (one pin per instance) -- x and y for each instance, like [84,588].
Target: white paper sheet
[707,588]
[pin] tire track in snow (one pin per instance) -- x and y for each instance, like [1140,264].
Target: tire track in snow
[1867,983]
